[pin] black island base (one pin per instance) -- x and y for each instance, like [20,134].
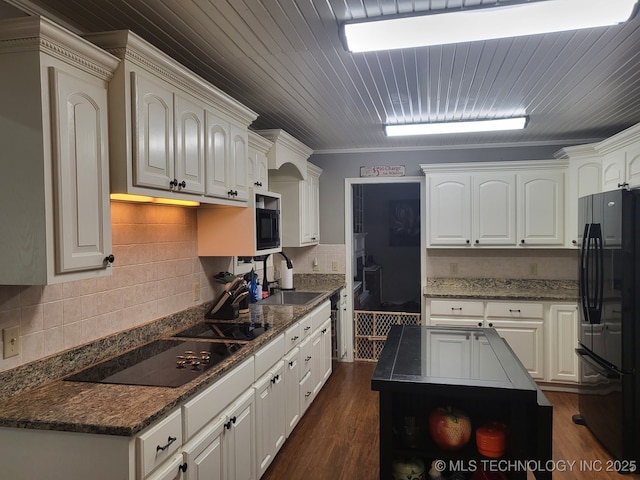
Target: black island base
[458,402]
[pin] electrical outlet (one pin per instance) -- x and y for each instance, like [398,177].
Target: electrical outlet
[196,292]
[453,268]
[334,266]
[11,341]
[533,269]
[315,267]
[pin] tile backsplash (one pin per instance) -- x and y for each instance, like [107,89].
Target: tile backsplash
[542,264]
[157,270]
[155,274]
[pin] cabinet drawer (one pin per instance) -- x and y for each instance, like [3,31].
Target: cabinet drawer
[158,443]
[458,308]
[200,410]
[321,314]
[292,336]
[306,325]
[514,310]
[268,355]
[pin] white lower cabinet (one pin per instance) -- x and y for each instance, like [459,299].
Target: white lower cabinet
[229,431]
[460,354]
[270,416]
[563,340]
[173,469]
[292,389]
[225,448]
[543,335]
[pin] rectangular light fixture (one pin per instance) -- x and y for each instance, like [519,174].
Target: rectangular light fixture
[514,123]
[484,23]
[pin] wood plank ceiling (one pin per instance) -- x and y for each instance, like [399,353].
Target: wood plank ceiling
[284,59]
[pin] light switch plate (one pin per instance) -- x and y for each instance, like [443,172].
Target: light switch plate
[11,341]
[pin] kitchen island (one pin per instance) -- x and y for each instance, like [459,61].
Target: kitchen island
[473,369]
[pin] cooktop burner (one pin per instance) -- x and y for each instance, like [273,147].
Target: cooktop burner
[162,363]
[239,332]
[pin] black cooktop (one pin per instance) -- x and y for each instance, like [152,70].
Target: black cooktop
[239,332]
[162,363]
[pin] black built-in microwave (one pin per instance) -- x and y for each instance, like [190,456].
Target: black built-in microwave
[267,228]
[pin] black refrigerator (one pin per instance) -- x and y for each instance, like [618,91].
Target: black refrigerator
[609,333]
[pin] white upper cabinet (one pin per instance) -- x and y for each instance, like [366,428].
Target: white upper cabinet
[226,159]
[499,205]
[449,209]
[494,211]
[620,156]
[298,182]
[541,208]
[189,144]
[258,163]
[152,133]
[585,178]
[54,128]
[173,134]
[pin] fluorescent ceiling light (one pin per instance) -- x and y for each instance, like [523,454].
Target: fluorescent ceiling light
[485,23]
[455,127]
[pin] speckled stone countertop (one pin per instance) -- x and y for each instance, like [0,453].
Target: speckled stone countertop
[502,289]
[125,410]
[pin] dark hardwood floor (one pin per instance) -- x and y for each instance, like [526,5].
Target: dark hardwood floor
[338,436]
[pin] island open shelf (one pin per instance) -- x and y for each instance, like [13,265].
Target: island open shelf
[473,369]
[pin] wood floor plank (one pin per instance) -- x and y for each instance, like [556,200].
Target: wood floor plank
[338,436]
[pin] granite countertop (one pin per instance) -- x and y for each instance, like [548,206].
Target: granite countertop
[127,409]
[502,289]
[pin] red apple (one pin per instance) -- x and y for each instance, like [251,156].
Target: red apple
[450,428]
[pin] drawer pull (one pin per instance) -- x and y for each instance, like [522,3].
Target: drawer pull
[170,440]
[306,329]
[294,338]
[307,395]
[514,311]
[453,309]
[308,358]
[479,324]
[183,467]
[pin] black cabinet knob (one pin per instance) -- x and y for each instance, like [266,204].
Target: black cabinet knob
[182,184]
[109,259]
[183,467]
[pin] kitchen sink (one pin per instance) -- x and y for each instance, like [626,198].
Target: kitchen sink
[290,297]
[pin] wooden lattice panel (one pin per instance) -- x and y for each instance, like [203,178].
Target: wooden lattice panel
[371,330]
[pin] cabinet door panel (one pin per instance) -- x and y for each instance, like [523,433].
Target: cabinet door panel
[153,133]
[449,354]
[189,157]
[217,155]
[239,174]
[563,339]
[541,208]
[449,210]
[525,339]
[633,166]
[613,170]
[292,394]
[81,164]
[241,437]
[494,204]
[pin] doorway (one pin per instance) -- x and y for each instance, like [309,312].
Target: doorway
[385,268]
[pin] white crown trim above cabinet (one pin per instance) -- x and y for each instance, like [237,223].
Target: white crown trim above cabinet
[54,137]
[173,134]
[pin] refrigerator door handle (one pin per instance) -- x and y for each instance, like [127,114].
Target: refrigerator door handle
[596,365]
[584,272]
